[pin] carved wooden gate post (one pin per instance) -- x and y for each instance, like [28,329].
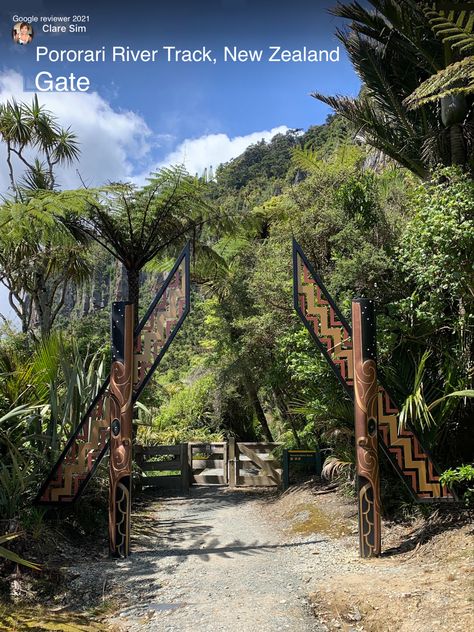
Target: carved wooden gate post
[365,409]
[332,334]
[107,421]
[120,411]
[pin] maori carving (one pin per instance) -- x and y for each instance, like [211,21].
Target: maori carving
[327,326]
[332,334]
[120,412]
[161,322]
[80,457]
[365,413]
[90,441]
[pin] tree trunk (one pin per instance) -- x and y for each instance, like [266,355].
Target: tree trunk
[285,414]
[454,110]
[133,282]
[458,149]
[42,304]
[259,412]
[119,281]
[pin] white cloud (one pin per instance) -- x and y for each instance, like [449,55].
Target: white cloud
[213,149]
[109,140]
[114,142]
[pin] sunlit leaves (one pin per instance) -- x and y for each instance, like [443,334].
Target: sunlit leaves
[437,245]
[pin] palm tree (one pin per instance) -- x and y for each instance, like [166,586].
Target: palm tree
[24,127]
[39,256]
[394,48]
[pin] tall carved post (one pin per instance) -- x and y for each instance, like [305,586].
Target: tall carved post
[92,438]
[365,409]
[120,407]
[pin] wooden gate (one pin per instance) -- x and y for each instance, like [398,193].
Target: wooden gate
[253,465]
[208,463]
[237,464]
[163,466]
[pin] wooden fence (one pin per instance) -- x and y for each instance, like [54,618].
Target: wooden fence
[208,463]
[237,464]
[164,466]
[253,465]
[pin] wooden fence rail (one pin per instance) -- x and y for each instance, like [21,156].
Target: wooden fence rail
[237,464]
[152,460]
[253,465]
[208,463]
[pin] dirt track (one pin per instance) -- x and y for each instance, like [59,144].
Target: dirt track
[221,561]
[210,562]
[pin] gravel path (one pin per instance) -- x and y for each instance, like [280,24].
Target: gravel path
[211,562]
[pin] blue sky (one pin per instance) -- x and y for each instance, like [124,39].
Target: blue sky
[138,116]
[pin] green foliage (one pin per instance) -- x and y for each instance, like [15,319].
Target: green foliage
[313,160]
[395,48]
[47,389]
[462,476]
[262,160]
[436,248]
[415,409]
[188,414]
[25,127]
[54,384]
[329,137]
[358,198]
[456,79]
[15,480]
[242,365]
[453,27]
[13,557]
[137,224]
[39,258]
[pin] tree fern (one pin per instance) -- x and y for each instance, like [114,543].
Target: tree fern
[395,48]
[305,158]
[458,78]
[453,27]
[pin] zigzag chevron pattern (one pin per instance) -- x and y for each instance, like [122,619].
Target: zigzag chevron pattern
[410,456]
[332,334]
[159,325]
[90,441]
[80,455]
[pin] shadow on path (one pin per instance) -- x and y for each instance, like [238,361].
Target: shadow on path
[212,548]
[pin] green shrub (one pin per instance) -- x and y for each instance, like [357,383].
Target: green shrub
[464,477]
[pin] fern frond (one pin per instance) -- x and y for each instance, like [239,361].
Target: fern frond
[454,28]
[380,129]
[305,158]
[457,78]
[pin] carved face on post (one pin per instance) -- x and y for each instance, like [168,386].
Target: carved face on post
[108,420]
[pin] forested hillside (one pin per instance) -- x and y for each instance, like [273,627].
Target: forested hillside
[381,199]
[243,365]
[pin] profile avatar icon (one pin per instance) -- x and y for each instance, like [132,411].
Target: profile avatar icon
[22,33]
